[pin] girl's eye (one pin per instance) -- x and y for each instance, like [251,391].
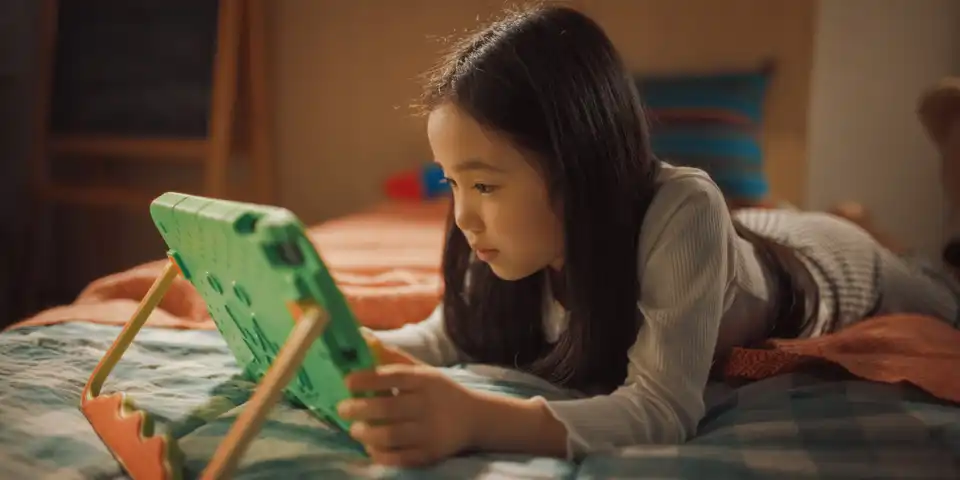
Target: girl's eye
[484,188]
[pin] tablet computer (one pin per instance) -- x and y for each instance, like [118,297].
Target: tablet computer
[253,265]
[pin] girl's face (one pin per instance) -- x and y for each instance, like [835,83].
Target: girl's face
[500,200]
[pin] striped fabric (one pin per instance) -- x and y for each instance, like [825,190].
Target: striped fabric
[711,122]
[856,277]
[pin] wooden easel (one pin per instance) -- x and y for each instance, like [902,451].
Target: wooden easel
[145,456]
[240,40]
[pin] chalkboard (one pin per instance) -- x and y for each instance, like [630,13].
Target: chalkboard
[134,67]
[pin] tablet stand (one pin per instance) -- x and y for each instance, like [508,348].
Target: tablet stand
[128,432]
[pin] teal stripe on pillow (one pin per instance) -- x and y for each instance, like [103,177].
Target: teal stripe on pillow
[740,93]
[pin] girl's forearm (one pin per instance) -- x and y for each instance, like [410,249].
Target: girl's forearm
[514,425]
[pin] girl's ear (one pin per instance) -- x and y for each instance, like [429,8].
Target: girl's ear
[556,200]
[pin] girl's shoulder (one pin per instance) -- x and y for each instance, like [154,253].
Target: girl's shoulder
[684,195]
[679,186]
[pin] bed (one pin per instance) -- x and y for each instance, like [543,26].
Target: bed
[801,424]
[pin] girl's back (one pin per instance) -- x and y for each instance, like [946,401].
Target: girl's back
[855,276]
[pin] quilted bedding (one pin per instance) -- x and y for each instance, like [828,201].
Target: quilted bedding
[788,426]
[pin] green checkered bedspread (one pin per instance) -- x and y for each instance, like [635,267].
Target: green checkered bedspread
[792,426]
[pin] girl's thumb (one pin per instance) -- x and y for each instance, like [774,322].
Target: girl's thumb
[387,355]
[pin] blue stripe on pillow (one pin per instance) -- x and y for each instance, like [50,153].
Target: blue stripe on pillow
[719,144]
[742,186]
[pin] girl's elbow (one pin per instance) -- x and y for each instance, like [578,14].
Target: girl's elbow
[681,433]
[675,426]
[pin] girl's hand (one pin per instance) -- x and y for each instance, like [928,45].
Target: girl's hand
[420,415]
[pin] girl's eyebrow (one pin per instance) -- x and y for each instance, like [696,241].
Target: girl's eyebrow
[477,164]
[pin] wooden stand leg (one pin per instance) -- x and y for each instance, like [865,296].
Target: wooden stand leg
[126,431]
[130,330]
[281,371]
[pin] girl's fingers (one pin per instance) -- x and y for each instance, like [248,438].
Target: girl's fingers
[387,378]
[390,437]
[402,407]
[388,355]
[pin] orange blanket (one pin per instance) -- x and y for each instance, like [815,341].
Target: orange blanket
[922,351]
[386,260]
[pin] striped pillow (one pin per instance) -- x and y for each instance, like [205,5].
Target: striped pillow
[711,122]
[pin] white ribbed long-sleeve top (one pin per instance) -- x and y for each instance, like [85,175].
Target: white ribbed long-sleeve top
[702,291]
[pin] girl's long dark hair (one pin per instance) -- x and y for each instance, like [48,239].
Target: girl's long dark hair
[550,79]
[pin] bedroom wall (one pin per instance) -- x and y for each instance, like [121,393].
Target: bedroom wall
[346,70]
[872,60]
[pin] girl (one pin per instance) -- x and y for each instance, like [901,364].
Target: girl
[575,255]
